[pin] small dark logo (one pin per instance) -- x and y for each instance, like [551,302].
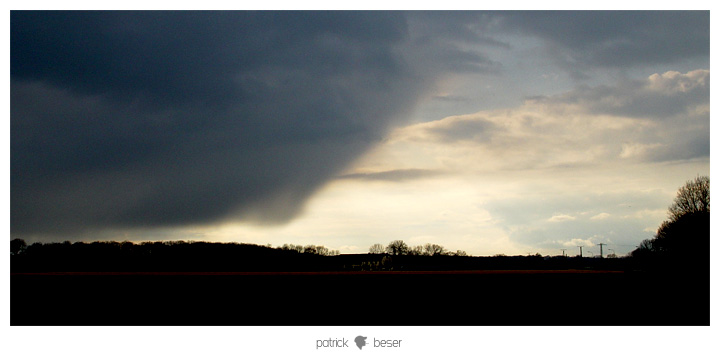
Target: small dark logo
[360,341]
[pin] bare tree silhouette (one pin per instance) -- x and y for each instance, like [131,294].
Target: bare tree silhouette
[398,247]
[377,249]
[692,198]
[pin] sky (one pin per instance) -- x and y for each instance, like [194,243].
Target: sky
[490,132]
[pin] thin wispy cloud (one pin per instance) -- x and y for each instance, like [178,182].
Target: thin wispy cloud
[561,218]
[392,175]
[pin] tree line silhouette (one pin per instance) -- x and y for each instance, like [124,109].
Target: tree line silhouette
[399,247]
[198,256]
[682,243]
[161,256]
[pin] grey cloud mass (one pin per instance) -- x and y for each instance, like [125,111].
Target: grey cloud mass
[660,96]
[617,38]
[675,105]
[148,119]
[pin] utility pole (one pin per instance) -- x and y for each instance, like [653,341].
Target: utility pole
[580,250]
[601,245]
[563,250]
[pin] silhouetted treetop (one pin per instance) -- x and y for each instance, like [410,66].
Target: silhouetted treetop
[434,249]
[692,198]
[17,246]
[377,249]
[682,242]
[398,247]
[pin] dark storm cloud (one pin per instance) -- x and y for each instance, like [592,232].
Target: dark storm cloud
[617,38]
[193,56]
[154,119]
[449,40]
[143,119]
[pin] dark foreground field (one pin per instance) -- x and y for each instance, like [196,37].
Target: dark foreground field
[548,297]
